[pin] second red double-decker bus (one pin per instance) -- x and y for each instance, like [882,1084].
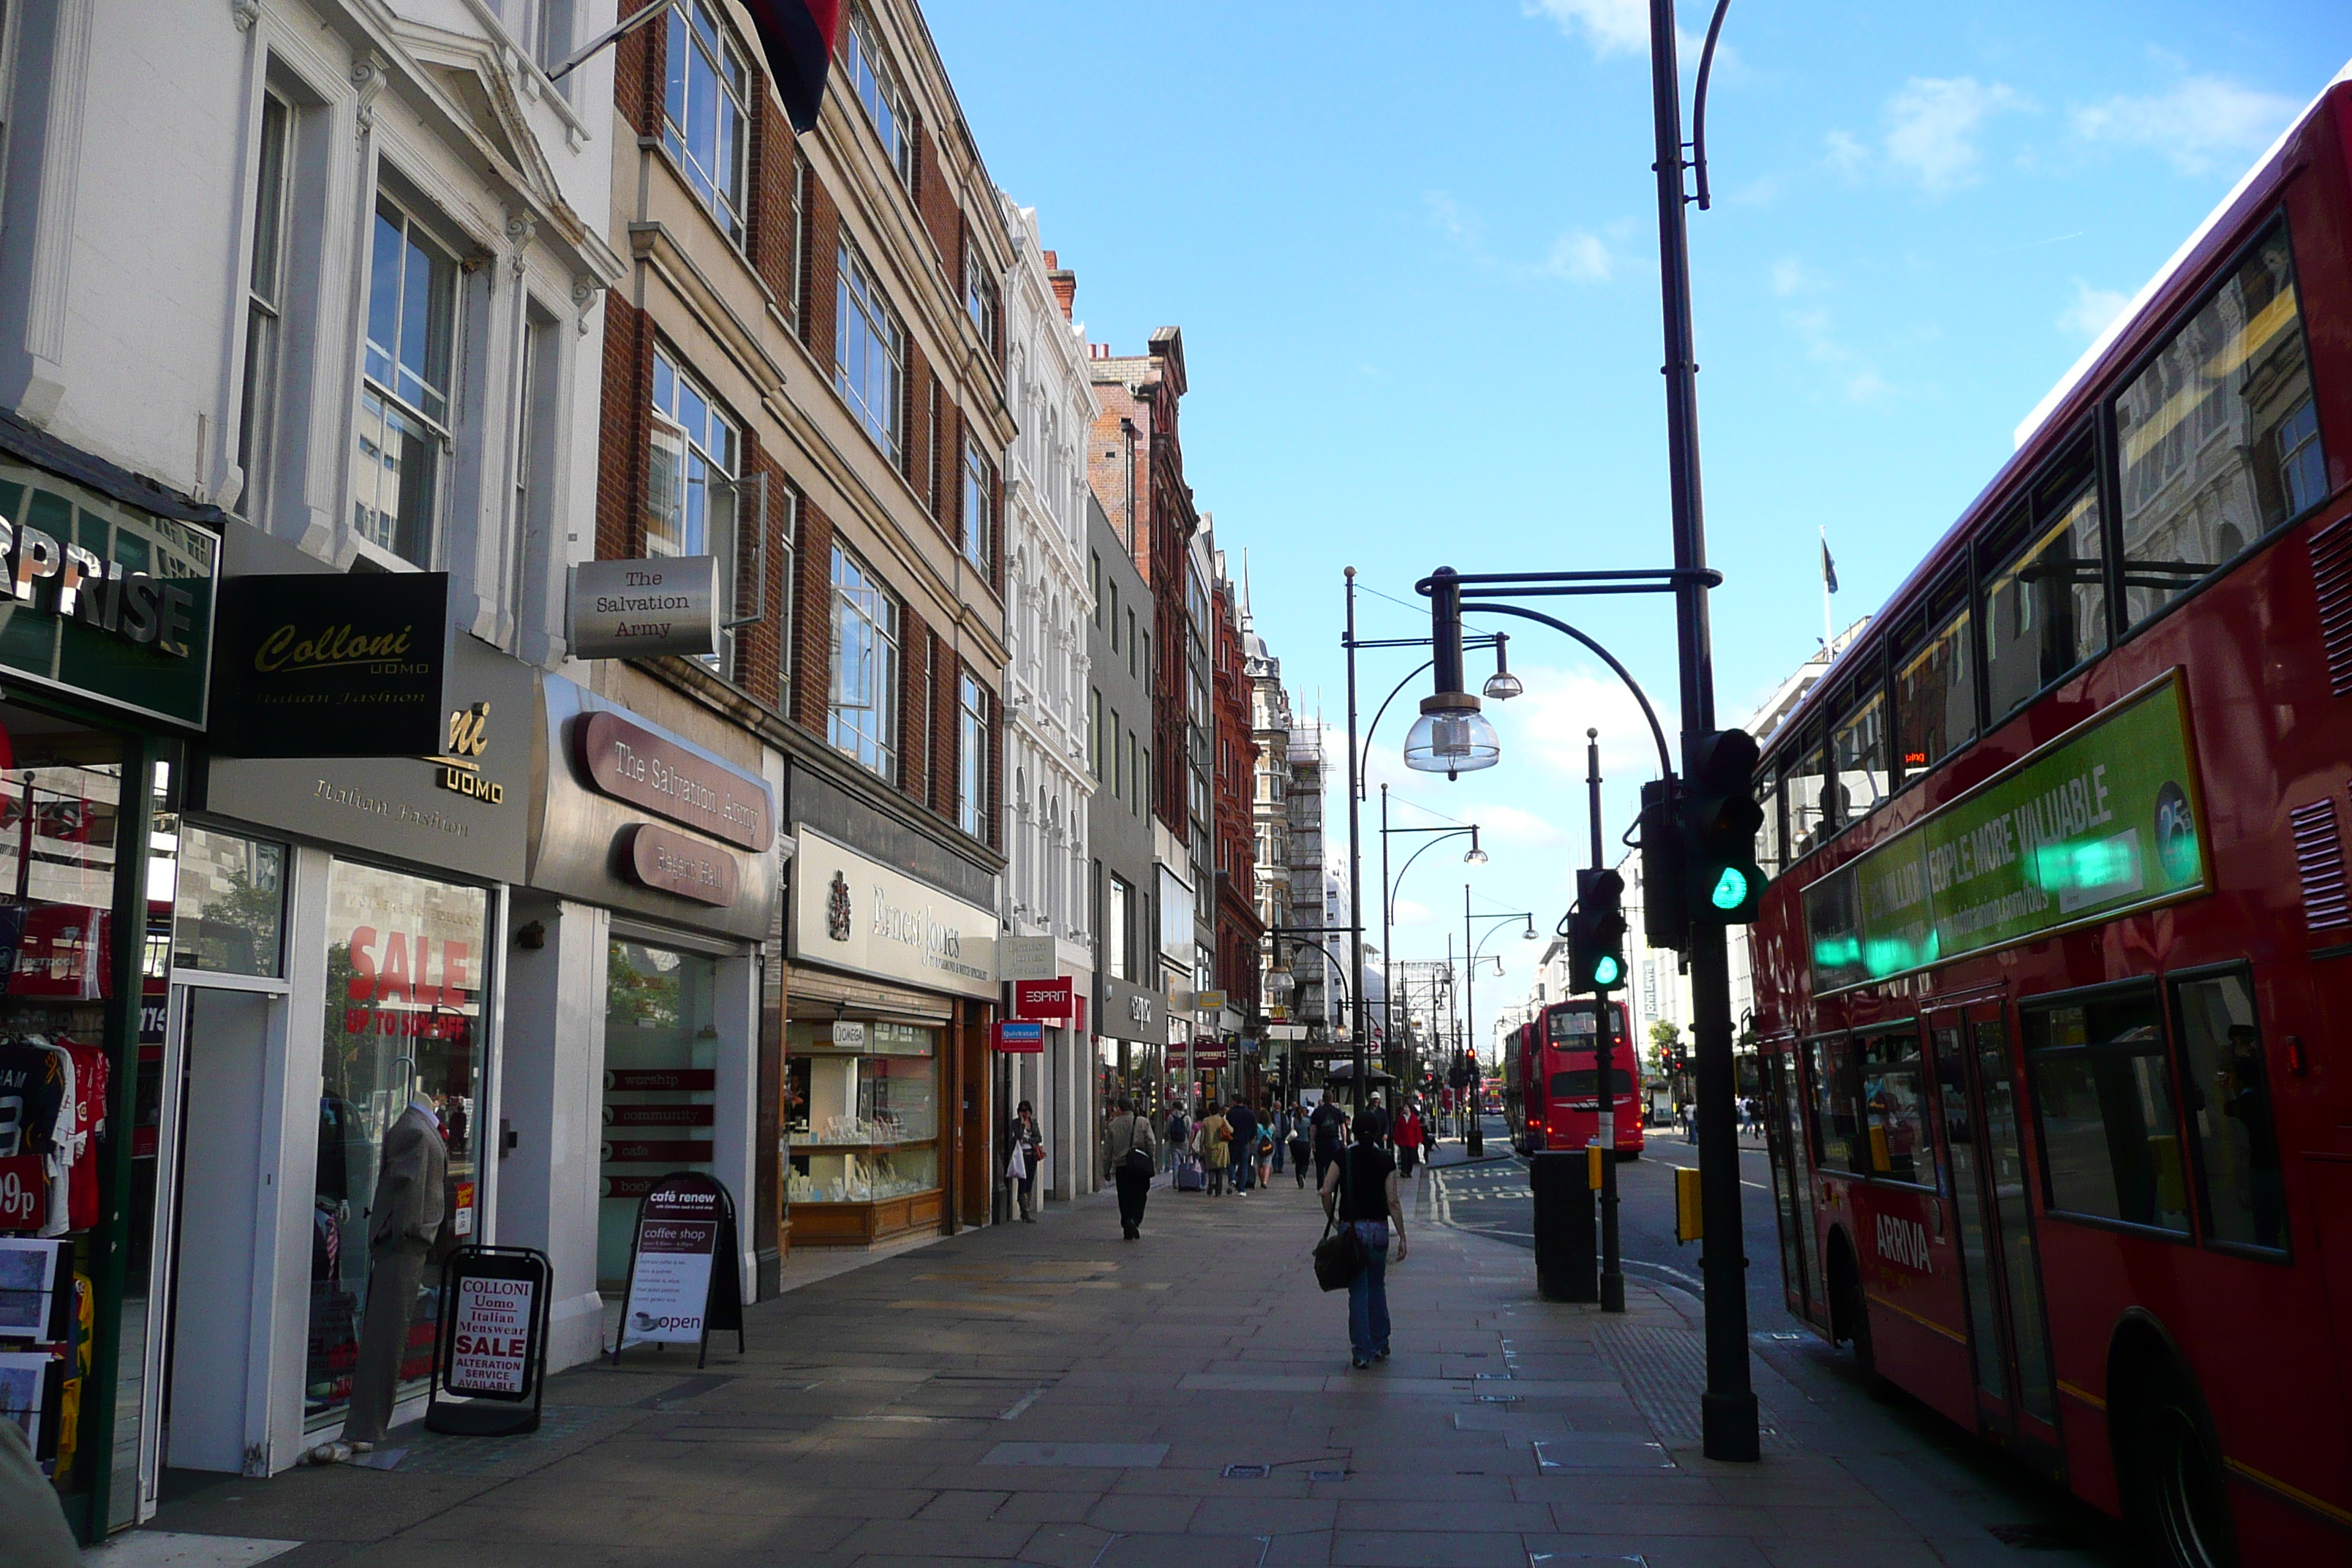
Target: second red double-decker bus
[1551,1094]
[2055,987]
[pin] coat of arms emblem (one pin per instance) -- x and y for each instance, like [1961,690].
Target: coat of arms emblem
[837,909]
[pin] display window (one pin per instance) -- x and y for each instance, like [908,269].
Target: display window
[405,971]
[861,1110]
[61,792]
[661,1077]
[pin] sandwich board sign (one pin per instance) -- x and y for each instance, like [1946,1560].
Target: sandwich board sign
[684,1280]
[492,1346]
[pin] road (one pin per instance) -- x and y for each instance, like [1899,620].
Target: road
[1491,1197]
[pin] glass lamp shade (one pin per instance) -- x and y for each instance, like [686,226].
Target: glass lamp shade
[1502,685]
[1452,739]
[1280,981]
[1476,856]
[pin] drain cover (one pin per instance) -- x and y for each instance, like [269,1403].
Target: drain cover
[1249,1472]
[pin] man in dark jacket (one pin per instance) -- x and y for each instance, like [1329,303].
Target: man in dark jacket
[1244,1121]
[1330,1125]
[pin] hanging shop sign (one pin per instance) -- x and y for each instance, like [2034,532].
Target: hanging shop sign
[2104,819]
[331,664]
[493,1342]
[850,913]
[1209,1054]
[1208,1001]
[462,803]
[603,769]
[1020,1037]
[629,761]
[684,1280]
[104,599]
[636,609]
[1026,957]
[1043,998]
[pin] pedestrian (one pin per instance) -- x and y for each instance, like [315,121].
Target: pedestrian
[1212,1139]
[1130,1158]
[1179,1131]
[1409,1140]
[1267,1149]
[1299,1148]
[1328,1126]
[1361,1190]
[1027,1144]
[1281,1125]
[1243,1120]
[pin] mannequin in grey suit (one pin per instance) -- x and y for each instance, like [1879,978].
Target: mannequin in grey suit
[409,1194]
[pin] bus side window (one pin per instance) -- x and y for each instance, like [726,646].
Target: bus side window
[1858,739]
[2045,602]
[2226,1090]
[1837,1121]
[2218,438]
[1896,1139]
[1935,683]
[2110,1141]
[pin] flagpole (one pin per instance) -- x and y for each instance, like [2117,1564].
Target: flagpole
[1829,621]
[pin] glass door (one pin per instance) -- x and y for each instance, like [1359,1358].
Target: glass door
[2009,1342]
[1790,1180]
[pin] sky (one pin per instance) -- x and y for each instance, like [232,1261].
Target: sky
[1414,252]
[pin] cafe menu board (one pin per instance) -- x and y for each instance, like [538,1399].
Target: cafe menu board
[684,1280]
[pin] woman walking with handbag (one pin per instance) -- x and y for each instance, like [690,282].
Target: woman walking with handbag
[1213,1138]
[1359,1192]
[1131,1156]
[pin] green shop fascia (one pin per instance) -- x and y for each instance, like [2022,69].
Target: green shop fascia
[106,635]
[2104,820]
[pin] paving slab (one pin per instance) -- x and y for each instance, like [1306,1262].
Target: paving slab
[1045,1394]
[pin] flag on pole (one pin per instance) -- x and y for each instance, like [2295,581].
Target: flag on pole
[797,37]
[1828,567]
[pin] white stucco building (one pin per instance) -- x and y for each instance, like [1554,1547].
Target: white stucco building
[1048,603]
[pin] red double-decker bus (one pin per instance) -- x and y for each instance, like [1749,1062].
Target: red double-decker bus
[2055,981]
[1552,1084]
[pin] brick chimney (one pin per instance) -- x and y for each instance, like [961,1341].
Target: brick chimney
[1064,282]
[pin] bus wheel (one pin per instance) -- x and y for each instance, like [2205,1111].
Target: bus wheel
[1850,1317]
[2174,1466]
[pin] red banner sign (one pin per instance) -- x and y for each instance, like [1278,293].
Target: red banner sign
[1043,998]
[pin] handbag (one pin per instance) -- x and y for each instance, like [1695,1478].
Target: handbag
[1341,1255]
[1135,1159]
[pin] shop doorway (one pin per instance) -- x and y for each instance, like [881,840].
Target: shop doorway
[213,1373]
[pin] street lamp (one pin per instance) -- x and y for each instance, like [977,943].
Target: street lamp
[1451,737]
[1502,685]
[1474,1142]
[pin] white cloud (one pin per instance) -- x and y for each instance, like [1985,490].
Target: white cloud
[2200,120]
[1792,276]
[1579,258]
[1611,27]
[1932,126]
[1551,720]
[1516,826]
[1408,914]
[2090,311]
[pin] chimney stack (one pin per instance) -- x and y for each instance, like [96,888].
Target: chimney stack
[1064,282]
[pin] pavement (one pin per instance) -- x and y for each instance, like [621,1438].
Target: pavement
[1045,1394]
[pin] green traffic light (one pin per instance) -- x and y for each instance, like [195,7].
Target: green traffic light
[1606,970]
[1730,889]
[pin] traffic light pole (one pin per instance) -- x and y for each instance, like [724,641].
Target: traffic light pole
[1604,1055]
[1727,1415]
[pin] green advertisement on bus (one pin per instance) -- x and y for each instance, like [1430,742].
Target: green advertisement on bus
[2100,821]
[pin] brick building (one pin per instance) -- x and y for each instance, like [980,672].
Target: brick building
[1241,932]
[804,377]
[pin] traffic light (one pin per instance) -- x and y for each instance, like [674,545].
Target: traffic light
[1665,915]
[1722,884]
[1596,932]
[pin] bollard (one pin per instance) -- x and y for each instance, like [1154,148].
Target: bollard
[1567,1269]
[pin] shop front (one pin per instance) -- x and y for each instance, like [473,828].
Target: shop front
[108,593]
[887,1097]
[336,968]
[641,936]
[1130,1044]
